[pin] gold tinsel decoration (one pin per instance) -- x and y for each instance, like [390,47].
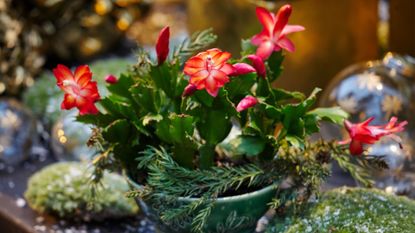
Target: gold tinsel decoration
[20,50]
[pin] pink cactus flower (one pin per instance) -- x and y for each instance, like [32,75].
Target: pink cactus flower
[209,70]
[275,30]
[363,133]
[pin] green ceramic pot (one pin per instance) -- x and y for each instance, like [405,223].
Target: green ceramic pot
[235,214]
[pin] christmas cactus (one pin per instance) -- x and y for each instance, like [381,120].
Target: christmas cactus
[197,122]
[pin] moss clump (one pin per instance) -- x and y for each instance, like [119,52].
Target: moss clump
[352,210]
[64,189]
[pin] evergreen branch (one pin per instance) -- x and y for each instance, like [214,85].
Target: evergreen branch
[182,211]
[357,172]
[169,181]
[196,42]
[143,64]
[201,218]
[167,175]
[373,162]
[306,169]
[275,203]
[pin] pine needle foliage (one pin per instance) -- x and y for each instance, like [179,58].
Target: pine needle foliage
[169,182]
[301,170]
[166,175]
[196,42]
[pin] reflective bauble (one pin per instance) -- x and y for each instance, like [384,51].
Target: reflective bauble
[17,132]
[379,89]
[69,139]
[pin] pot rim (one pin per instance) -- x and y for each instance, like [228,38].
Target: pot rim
[243,196]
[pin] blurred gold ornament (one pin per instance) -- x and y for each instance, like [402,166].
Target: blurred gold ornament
[125,3]
[90,46]
[84,28]
[20,49]
[91,20]
[124,21]
[76,29]
[103,7]
[162,13]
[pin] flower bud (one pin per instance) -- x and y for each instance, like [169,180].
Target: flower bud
[258,64]
[241,68]
[247,102]
[162,45]
[111,79]
[189,90]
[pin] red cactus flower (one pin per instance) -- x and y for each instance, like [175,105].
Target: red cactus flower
[209,70]
[275,30]
[258,64]
[241,68]
[189,90]
[162,45]
[245,103]
[111,79]
[363,133]
[80,91]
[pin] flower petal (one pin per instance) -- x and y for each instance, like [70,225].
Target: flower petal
[367,122]
[68,102]
[261,37]
[220,58]
[213,51]
[194,65]
[210,52]
[62,73]
[198,78]
[87,107]
[84,79]
[282,17]
[266,19]
[220,77]
[356,147]
[291,28]
[90,91]
[286,44]
[227,69]
[80,71]
[265,49]
[211,86]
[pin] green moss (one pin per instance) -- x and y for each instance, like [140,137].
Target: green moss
[352,210]
[44,97]
[63,189]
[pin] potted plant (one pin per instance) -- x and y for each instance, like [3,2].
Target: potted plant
[205,141]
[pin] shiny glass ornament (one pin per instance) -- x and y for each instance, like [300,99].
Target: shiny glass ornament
[17,132]
[69,139]
[380,89]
